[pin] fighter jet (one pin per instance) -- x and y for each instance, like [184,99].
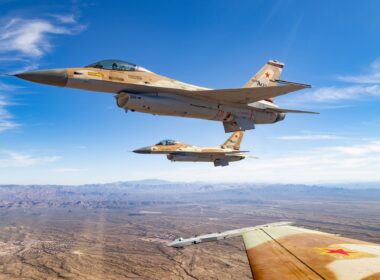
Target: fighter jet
[138,89]
[221,155]
[283,251]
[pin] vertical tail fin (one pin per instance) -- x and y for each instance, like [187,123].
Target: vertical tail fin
[267,75]
[234,141]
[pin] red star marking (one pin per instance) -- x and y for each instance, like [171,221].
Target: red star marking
[267,74]
[339,251]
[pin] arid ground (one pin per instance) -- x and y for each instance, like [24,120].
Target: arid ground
[120,231]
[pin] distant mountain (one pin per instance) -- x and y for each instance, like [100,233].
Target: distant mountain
[125,194]
[369,185]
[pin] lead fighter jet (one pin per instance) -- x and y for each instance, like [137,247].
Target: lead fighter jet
[220,155]
[138,89]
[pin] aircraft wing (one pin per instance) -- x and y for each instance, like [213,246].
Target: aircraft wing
[288,252]
[240,95]
[182,242]
[206,153]
[223,96]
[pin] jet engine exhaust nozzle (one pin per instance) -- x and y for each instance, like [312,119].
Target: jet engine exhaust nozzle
[280,117]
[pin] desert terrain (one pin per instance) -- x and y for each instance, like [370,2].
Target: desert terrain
[120,230]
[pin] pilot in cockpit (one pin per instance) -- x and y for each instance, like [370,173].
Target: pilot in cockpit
[166,143]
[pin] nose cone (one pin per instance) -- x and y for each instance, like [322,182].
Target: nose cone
[144,150]
[55,77]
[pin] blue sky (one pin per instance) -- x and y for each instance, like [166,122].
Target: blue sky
[67,136]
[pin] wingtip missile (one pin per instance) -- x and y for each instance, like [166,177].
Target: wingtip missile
[292,83]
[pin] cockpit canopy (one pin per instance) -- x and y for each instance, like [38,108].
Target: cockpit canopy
[114,64]
[166,143]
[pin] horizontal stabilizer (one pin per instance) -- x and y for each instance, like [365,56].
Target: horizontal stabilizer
[291,83]
[282,110]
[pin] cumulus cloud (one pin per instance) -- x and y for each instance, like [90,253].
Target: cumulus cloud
[17,159]
[32,37]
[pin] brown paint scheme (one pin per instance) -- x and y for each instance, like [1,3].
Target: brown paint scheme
[130,79]
[232,144]
[285,258]
[141,90]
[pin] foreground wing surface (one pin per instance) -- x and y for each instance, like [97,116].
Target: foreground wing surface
[282,251]
[288,252]
[182,242]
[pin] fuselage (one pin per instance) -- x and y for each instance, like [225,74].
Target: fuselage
[138,89]
[129,87]
[176,151]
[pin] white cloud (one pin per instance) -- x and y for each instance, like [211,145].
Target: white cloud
[16,159]
[372,77]
[7,125]
[364,85]
[310,137]
[66,170]
[7,87]
[25,41]
[334,164]
[32,37]
[369,148]
[334,94]
[6,118]
[68,18]
[80,147]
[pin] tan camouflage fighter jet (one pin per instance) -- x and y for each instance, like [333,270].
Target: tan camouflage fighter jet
[138,89]
[221,155]
[282,251]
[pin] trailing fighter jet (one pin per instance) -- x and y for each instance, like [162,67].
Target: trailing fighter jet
[282,251]
[221,155]
[138,89]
